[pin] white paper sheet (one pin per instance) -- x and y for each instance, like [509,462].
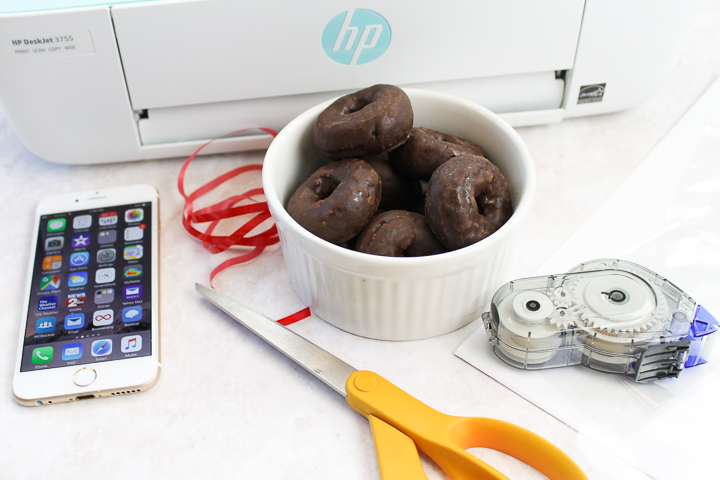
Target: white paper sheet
[666,217]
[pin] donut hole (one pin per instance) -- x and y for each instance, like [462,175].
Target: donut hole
[325,186]
[479,197]
[355,106]
[478,203]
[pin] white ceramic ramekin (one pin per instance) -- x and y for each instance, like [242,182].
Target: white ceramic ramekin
[392,298]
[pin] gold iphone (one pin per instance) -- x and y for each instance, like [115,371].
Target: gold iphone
[91,322]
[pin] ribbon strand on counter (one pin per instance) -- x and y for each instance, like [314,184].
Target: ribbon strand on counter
[227,209]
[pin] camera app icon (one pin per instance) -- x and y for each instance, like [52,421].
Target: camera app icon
[54,243]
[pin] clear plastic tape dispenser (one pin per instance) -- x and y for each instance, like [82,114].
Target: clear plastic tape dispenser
[610,315]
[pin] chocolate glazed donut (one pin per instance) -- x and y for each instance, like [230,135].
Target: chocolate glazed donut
[370,121]
[398,233]
[338,200]
[467,200]
[427,149]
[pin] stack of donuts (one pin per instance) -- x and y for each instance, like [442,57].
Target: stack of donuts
[394,190]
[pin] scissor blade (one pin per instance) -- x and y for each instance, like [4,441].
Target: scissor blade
[328,368]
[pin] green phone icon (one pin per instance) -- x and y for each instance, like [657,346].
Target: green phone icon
[42,355]
[56,225]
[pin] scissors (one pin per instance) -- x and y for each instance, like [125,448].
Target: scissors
[401,424]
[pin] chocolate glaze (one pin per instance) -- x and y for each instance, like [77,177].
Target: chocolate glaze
[398,233]
[370,121]
[467,200]
[338,200]
[427,149]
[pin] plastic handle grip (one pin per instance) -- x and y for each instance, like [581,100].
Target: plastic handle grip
[444,438]
[397,455]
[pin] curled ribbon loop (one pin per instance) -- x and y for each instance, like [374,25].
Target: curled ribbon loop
[228,209]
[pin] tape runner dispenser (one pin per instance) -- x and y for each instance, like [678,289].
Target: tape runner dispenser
[609,315]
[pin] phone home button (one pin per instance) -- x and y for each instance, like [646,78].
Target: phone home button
[84,377]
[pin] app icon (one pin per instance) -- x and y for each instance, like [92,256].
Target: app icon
[133,252]
[74,321]
[72,351]
[105,275]
[131,344]
[106,255]
[134,215]
[51,262]
[100,348]
[45,325]
[79,259]
[54,243]
[132,314]
[108,218]
[56,225]
[132,271]
[81,240]
[82,221]
[133,292]
[48,303]
[103,317]
[50,282]
[77,279]
[134,233]
[42,355]
[75,300]
[107,236]
[104,296]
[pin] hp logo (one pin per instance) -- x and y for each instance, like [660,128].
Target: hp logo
[356,37]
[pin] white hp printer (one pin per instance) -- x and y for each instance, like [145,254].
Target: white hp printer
[86,81]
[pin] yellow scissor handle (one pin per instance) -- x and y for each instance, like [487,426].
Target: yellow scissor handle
[397,455]
[444,438]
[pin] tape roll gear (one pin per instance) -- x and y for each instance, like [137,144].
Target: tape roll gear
[530,334]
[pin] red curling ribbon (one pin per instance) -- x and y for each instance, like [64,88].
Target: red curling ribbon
[290,319]
[228,209]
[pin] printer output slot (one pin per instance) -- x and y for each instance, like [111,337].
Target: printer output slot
[526,98]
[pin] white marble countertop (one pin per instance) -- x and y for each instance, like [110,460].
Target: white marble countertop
[227,404]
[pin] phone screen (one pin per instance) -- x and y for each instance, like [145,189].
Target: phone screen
[91,292]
